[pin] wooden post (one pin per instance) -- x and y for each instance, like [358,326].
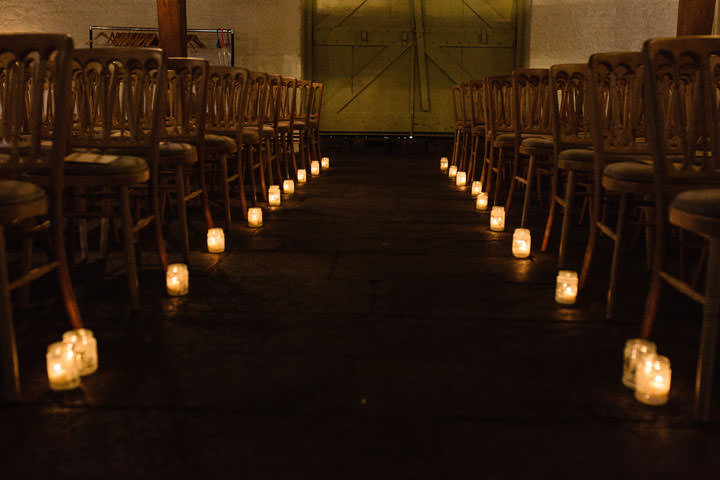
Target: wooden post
[695,17]
[172,22]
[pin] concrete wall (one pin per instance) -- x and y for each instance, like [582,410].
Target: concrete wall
[268,34]
[569,31]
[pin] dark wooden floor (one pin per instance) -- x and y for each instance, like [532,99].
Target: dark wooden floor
[373,328]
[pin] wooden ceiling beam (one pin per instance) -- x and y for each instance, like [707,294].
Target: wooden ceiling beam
[172,22]
[695,17]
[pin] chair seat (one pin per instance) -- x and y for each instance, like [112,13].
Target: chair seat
[284,125]
[478,130]
[698,211]
[252,132]
[16,192]
[220,144]
[508,139]
[536,146]
[168,152]
[630,171]
[87,163]
[299,124]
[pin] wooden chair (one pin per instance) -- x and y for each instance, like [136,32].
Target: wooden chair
[316,98]
[478,142]
[227,94]
[532,127]
[255,135]
[571,142]
[461,128]
[286,126]
[682,112]
[31,66]
[501,136]
[301,121]
[622,166]
[119,99]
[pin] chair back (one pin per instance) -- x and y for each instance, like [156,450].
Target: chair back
[531,101]
[186,99]
[568,94]
[273,100]
[477,102]
[499,104]
[255,105]
[458,101]
[683,109]
[35,105]
[316,103]
[119,99]
[303,92]
[226,97]
[616,110]
[286,102]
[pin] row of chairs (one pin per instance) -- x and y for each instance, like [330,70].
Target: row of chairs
[635,134]
[123,136]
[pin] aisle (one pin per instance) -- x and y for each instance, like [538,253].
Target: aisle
[373,328]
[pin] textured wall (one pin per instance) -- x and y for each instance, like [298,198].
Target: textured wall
[568,31]
[268,34]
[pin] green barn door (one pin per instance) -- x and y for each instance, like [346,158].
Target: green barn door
[388,65]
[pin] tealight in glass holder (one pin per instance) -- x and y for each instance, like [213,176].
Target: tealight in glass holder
[566,287]
[634,349]
[314,168]
[216,240]
[452,171]
[460,179]
[274,198]
[444,163]
[255,217]
[301,176]
[476,188]
[521,243]
[325,163]
[481,201]
[177,279]
[85,349]
[288,187]
[62,367]
[497,219]
[652,379]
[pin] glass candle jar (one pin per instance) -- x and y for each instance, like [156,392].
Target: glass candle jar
[274,198]
[177,279]
[255,217]
[476,188]
[215,240]
[634,349]
[497,219]
[452,171]
[481,201]
[301,176]
[652,379]
[62,367]
[85,349]
[460,179]
[325,163]
[444,163]
[314,168]
[521,243]
[566,287]
[288,187]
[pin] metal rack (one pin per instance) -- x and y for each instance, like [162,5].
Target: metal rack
[209,53]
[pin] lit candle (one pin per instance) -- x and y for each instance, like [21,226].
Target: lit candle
[301,176]
[566,287]
[288,186]
[481,201]
[497,219]
[314,168]
[476,188]
[62,368]
[177,279]
[652,379]
[460,179]
[325,163]
[274,195]
[85,349]
[444,163]
[216,240]
[634,349]
[452,171]
[255,217]
[521,243]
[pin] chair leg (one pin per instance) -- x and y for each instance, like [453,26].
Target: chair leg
[490,170]
[567,215]
[528,188]
[10,367]
[241,183]
[617,254]
[182,211]
[498,174]
[202,180]
[513,181]
[554,184]
[226,190]
[129,246]
[709,333]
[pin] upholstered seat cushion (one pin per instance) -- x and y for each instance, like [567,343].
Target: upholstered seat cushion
[220,143]
[508,139]
[167,152]
[16,192]
[704,202]
[88,163]
[537,143]
[630,171]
